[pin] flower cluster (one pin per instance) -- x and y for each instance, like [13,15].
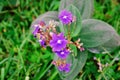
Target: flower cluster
[47,35]
[62,65]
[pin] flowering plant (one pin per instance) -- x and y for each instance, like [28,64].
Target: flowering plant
[71,34]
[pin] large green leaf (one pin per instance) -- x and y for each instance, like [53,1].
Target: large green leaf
[85,6]
[95,33]
[77,65]
[109,46]
[75,27]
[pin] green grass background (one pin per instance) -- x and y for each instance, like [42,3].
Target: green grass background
[21,56]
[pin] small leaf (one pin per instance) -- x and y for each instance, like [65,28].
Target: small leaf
[75,27]
[51,15]
[77,65]
[1,6]
[13,3]
[73,49]
[95,33]
[85,6]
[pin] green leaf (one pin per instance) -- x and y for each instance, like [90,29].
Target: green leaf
[95,33]
[75,27]
[109,46]
[73,49]
[77,65]
[1,6]
[14,2]
[85,6]
[2,73]
[63,28]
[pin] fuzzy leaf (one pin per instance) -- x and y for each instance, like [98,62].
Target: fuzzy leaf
[46,17]
[77,65]
[95,33]
[108,46]
[75,27]
[85,6]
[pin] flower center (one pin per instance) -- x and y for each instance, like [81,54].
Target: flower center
[64,17]
[62,52]
[59,41]
[40,40]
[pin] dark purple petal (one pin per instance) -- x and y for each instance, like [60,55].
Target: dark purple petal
[35,30]
[58,42]
[57,48]
[61,67]
[61,35]
[63,53]
[52,43]
[64,67]
[42,43]
[67,68]
[54,36]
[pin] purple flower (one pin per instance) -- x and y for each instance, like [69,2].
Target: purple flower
[58,42]
[64,67]
[63,53]
[82,49]
[42,42]
[65,16]
[36,30]
[42,23]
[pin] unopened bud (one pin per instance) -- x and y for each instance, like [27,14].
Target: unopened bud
[27,78]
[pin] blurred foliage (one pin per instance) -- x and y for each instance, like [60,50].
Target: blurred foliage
[21,55]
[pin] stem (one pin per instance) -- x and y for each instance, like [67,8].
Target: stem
[2,73]
[45,71]
[54,75]
[107,52]
[69,38]
[111,63]
[3,61]
[74,27]
[21,47]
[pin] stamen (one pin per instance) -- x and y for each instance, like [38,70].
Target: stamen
[62,52]
[59,41]
[64,17]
